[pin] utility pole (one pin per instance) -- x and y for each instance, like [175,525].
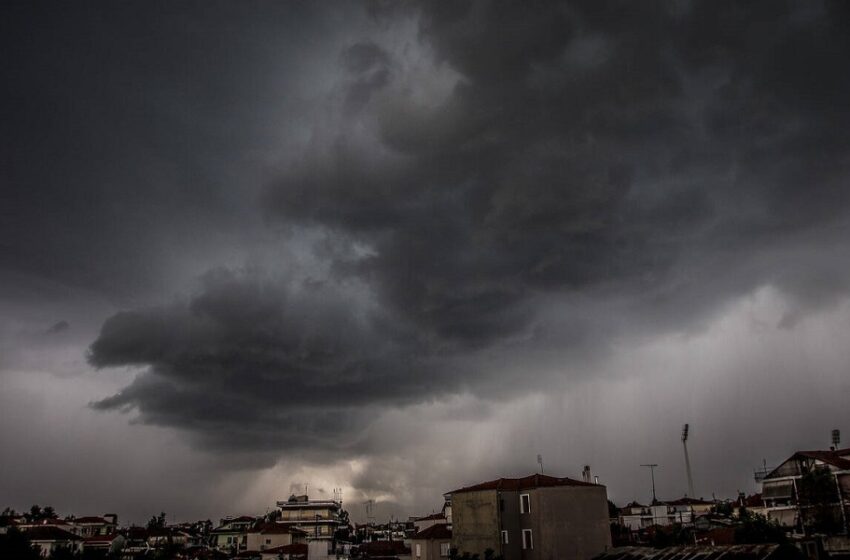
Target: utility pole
[652,474]
[540,462]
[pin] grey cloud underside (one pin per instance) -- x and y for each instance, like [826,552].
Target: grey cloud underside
[653,151]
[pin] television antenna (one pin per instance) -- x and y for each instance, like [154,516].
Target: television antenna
[652,474]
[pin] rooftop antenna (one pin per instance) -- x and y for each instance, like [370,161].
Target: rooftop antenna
[836,438]
[540,462]
[370,511]
[685,430]
[652,474]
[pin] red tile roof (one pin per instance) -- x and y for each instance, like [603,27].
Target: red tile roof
[296,548]
[525,483]
[834,458]
[438,531]
[433,516]
[50,533]
[100,538]
[89,519]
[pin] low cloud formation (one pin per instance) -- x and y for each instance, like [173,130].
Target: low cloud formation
[501,198]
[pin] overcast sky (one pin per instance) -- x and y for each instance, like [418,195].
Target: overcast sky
[400,247]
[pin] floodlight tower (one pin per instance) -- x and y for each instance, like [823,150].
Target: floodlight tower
[836,438]
[685,430]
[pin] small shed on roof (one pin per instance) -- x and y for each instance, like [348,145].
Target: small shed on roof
[732,552]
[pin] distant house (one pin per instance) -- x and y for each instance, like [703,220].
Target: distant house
[94,525]
[530,518]
[422,523]
[752,503]
[273,535]
[735,552]
[783,496]
[102,542]
[685,510]
[383,550]
[232,534]
[297,551]
[432,543]
[50,538]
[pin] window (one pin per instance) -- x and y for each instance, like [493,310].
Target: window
[501,504]
[268,541]
[527,541]
[525,503]
[419,551]
[504,537]
[445,549]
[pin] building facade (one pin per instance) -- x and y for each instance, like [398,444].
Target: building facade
[318,519]
[273,535]
[432,543]
[537,517]
[809,489]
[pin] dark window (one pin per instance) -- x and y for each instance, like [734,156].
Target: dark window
[527,542]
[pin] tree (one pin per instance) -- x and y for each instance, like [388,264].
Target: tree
[157,521]
[672,535]
[14,544]
[613,510]
[818,496]
[757,529]
[34,514]
[723,509]
[63,553]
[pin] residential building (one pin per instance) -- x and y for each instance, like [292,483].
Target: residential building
[273,535]
[286,552]
[787,500]
[685,510]
[232,534]
[49,538]
[536,517]
[319,519]
[432,543]
[91,526]
[422,523]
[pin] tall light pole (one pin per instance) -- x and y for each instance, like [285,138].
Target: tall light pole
[652,474]
[685,430]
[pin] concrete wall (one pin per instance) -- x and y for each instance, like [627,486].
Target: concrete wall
[475,521]
[510,518]
[572,523]
[257,541]
[430,549]
[567,523]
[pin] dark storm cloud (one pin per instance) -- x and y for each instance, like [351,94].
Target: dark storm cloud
[665,152]
[129,127]
[697,129]
[251,362]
